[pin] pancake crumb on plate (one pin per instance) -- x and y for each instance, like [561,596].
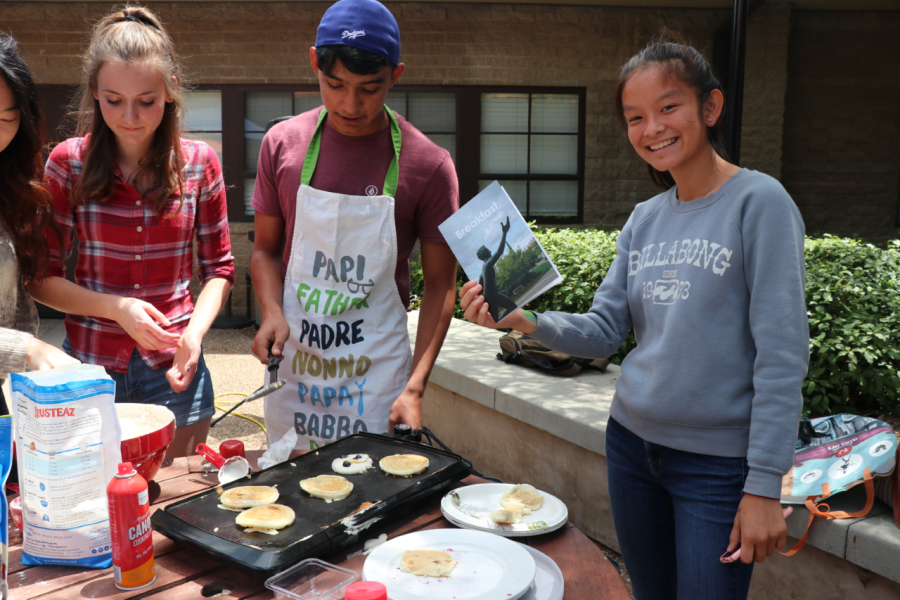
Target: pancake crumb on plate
[506,517]
[522,497]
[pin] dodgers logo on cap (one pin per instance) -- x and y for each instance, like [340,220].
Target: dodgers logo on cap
[364,24]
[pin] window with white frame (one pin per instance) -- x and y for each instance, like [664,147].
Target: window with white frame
[203,120]
[432,113]
[529,139]
[530,143]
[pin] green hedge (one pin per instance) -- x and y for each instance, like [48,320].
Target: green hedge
[852,295]
[853,300]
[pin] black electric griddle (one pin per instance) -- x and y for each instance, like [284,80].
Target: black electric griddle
[318,530]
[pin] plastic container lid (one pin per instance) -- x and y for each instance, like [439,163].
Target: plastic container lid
[310,579]
[366,590]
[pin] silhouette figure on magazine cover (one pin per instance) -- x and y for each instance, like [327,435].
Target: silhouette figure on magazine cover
[488,280]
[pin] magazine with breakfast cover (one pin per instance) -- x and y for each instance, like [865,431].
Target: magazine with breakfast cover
[496,247]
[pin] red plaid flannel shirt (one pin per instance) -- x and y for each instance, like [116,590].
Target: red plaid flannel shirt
[128,249]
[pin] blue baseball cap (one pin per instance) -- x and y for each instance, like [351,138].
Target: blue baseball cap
[364,24]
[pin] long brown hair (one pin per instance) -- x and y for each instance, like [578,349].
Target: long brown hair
[133,35]
[677,59]
[25,205]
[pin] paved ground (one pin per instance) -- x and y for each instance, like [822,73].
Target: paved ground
[235,372]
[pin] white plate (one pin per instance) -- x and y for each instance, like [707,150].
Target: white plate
[548,580]
[504,532]
[470,506]
[488,567]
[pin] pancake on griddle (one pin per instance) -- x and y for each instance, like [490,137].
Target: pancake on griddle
[248,496]
[266,519]
[328,487]
[427,563]
[352,464]
[522,497]
[403,465]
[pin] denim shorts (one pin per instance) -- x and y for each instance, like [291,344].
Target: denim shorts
[143,385]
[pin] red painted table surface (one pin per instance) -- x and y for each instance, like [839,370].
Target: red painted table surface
[183,573]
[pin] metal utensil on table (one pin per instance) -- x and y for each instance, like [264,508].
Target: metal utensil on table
[230,469]
[272,383]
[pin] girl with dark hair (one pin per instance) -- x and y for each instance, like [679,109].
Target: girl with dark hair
[24,212]
[138,195]
[710,275]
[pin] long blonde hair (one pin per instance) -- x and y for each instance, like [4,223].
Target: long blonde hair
[132,35]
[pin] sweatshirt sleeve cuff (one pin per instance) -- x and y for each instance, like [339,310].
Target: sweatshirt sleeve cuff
[763,483]
[546,330]
[13,350]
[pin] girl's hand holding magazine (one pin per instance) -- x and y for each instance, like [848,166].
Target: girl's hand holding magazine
[471,300]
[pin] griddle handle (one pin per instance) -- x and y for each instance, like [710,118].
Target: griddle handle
[406,432]
[272,369]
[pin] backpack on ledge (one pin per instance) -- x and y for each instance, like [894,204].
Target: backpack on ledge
[516,348]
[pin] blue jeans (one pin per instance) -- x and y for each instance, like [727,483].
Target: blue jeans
[673,512]
[141,384]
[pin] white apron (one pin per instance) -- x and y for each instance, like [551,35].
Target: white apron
[348,357]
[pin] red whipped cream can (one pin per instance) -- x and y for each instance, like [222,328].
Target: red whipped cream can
[129,529]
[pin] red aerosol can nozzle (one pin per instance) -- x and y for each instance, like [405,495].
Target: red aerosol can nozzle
[126,469]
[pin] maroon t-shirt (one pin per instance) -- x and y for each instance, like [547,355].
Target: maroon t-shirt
[427,189]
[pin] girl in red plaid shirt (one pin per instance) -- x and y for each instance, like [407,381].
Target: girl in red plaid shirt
[137,196]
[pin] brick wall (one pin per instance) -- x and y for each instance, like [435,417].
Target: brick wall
[765,82]
[842,124]
[452,44]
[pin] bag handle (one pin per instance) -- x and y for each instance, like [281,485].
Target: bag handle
[816,510]
[895,488]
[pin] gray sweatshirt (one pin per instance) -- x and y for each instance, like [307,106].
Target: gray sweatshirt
[18,316]
[715,289]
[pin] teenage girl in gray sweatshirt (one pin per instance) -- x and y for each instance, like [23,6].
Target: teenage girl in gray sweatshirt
[24,211]
[710,275]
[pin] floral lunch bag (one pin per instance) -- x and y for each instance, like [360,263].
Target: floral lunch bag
[834,454]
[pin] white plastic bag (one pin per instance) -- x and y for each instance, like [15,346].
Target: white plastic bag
[279,451]
[68,443]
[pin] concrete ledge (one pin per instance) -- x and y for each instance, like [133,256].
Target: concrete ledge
[576,411]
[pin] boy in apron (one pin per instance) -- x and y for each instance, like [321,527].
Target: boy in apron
[342,192]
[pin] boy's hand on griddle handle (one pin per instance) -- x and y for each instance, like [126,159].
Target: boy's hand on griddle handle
[270,339]
[476,311]
[407,409]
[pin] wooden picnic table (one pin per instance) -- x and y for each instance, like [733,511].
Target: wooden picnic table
[183,573]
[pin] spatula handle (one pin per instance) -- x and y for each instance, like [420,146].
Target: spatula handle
[210,455]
